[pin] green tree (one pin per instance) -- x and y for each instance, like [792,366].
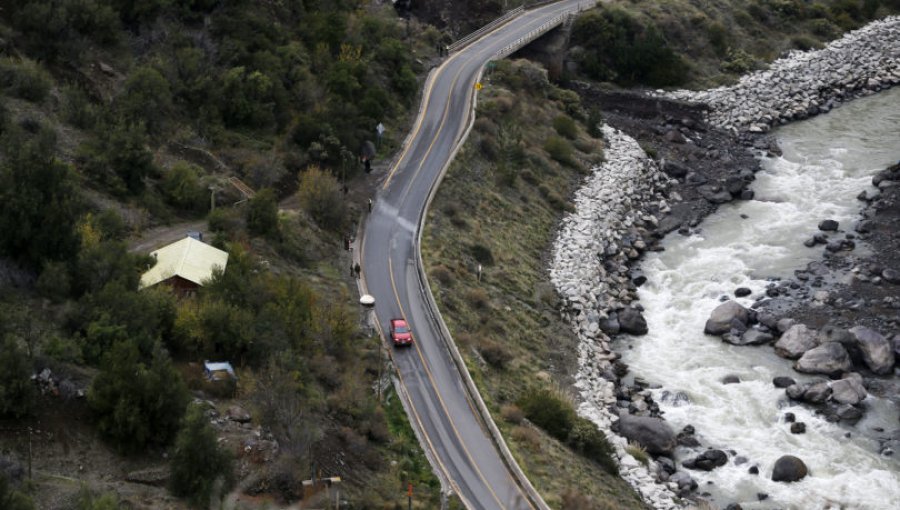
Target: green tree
[198,463]
[262,213]
[146,100]
[182,188]
[136,402]
[247,99]
[320,195]
[39,206]
[120,159]
[16,388]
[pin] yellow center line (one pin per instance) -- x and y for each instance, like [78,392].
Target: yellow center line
[425,97]
[438,393]
[418,419]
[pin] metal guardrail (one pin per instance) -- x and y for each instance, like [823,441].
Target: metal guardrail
[493,431]
[465,40]
[543,29]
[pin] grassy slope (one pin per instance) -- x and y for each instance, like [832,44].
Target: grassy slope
[506,324]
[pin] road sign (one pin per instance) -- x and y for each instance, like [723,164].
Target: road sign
[478,86]
[379,128]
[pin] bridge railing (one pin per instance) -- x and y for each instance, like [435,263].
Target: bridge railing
[465,40]
[543,29]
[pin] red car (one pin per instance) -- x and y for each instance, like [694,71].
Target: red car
[400,333]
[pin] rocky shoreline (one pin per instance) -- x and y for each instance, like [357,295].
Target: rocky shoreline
[632,201]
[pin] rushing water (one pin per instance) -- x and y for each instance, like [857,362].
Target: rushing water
[827,161]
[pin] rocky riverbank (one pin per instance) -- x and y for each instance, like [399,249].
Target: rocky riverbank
[804,84]
[633,200]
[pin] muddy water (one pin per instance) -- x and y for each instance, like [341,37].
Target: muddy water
[827,162]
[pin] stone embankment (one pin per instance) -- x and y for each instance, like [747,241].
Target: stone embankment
[804,84]
[615,212]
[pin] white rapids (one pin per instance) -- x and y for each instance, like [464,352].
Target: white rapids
[827,162]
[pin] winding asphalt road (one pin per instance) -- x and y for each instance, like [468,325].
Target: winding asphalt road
[452,431]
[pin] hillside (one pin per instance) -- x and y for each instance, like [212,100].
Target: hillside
[122,127]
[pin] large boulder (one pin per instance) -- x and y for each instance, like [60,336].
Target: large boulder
[684,482]
[849,390]
[707,461]
[720,320]
[789,469]
[795,341]
[829,358]
[632,322]
[654,434]
[817,393]
[877,352]
[754,336]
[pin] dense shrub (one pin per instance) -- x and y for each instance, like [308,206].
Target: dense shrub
[495,353]
[24,79]
[620,48]
[120,160]
[560,150]
[39,205]
[137,401]
[320,195]
[198,462]
[565,126]
[550,411]
[12,499]
[146,100]
[262,213]
[16,388]
[182,188]
[556,415]
[482,254]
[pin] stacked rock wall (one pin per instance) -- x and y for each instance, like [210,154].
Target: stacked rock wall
[807,83]
[590,271]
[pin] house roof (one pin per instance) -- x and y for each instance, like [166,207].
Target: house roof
[217,366]
[188,258]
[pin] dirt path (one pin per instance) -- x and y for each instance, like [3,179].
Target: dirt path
[154,238]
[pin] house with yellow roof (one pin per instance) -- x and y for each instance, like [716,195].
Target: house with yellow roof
[184,265]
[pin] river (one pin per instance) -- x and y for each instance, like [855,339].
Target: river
[827,162]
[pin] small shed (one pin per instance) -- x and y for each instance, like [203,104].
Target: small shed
[184,265]
[218,371]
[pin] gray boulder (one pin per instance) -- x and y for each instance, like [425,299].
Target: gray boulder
[754,336]
[789,469]
[795,341]
[654,434]
[877,352]
[632,322]
[849,390]
[784,324]
[829,358]
[783,381]
[707,461]
[720,320]
[817,393]
[828,225]
[684,482]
